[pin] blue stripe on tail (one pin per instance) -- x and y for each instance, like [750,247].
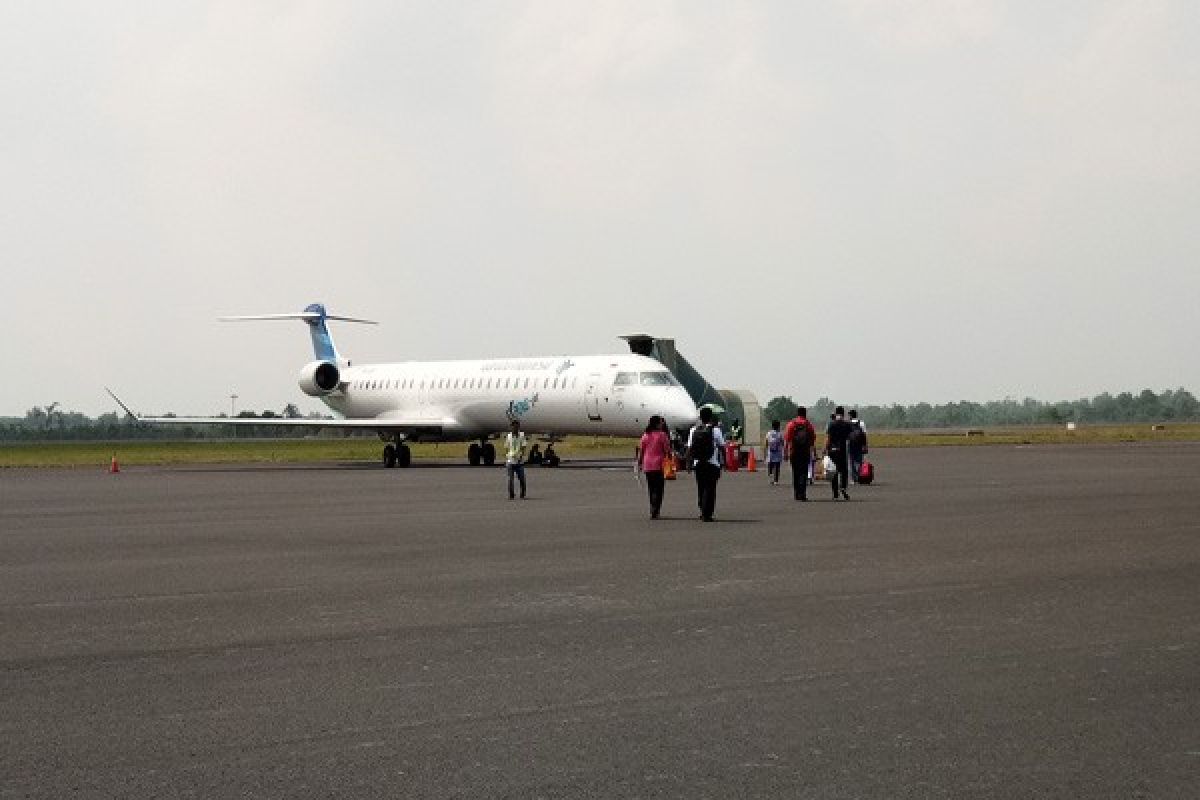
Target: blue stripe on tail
[322,342]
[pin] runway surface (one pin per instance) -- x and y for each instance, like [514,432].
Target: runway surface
[983,622]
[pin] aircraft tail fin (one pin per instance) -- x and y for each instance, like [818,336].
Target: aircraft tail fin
[314,316]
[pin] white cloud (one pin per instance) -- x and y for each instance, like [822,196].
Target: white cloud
[236,141]
[916,25]
[627,106]
[1127,102]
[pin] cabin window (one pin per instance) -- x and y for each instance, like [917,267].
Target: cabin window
[625,379]
[657,379]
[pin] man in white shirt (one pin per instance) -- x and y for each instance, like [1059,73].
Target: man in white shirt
[514,458]
[704,448]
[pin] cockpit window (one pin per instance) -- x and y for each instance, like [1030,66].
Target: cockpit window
[625,379]
[657,379]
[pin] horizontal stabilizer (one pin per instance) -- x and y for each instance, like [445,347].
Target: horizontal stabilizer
[304,315]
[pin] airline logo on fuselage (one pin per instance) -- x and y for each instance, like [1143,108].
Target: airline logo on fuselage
[519,408]
[530,365]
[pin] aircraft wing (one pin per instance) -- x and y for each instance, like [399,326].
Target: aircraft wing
[375,423]
[371,424]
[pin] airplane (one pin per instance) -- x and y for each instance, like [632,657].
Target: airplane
[471,401]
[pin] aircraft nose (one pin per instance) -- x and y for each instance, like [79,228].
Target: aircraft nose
[683,411]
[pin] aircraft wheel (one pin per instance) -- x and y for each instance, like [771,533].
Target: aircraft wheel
[489,454]
[403,455]
[389,456]
[474,455]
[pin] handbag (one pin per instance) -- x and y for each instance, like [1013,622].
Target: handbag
[669,467]
[830,466]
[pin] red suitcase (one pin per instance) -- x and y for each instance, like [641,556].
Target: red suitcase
[866,473]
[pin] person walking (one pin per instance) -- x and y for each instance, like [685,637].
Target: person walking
[704,446]
[773,449]
[800,438]
[514,458]
[653,450]
[856,445]
[836,438]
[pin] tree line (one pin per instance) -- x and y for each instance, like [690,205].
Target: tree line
[1171,405]
[52,422]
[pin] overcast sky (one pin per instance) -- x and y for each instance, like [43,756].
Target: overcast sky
[875,201]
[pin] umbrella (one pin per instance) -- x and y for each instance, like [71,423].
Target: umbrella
[716,409]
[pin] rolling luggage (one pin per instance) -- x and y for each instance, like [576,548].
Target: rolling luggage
[866,473]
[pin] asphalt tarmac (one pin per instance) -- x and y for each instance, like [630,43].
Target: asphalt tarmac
[982,622]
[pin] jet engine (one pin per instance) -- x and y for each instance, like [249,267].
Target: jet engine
[319,378]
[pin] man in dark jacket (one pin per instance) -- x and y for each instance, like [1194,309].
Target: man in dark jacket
[856,445]
[837,437]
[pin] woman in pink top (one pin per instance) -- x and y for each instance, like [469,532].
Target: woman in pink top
[653,450]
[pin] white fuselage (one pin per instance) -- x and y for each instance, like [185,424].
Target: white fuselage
[557,395]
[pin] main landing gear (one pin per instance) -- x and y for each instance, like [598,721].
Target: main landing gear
[482,452]
[396,455]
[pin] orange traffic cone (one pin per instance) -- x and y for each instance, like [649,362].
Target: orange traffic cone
[751,463]
[114,466]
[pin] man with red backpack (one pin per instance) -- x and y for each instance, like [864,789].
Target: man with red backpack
[800,438]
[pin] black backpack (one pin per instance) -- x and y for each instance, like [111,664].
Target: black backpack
[703,443]
[857,438]
[800,441]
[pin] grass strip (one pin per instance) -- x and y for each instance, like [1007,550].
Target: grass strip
[297,451]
